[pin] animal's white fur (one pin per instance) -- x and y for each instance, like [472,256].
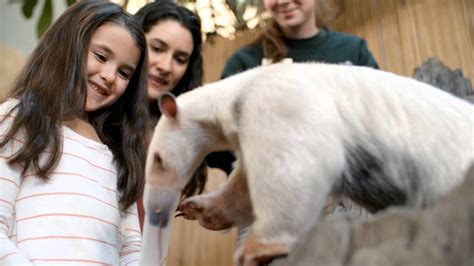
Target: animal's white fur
[290,126]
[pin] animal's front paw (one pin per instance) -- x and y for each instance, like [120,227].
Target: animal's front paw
[208,214]
[254,252]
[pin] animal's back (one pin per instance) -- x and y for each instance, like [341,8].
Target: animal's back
[419,134]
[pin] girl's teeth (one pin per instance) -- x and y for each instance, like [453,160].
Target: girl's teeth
[99,90]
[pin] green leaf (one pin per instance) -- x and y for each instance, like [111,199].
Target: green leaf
[70,2]
[28,7]
[46,18]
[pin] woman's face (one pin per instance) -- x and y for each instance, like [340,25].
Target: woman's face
[112,58]
[292,14]
[169,48]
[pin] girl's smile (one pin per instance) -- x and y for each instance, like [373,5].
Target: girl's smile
[112,59]
[102,90]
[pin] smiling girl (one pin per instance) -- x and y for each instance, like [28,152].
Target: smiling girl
[71,143]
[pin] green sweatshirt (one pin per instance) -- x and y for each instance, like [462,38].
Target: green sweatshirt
[326,46]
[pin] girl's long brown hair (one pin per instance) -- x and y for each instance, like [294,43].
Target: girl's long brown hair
[272,38]
[51,88]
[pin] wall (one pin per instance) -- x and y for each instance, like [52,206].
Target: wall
[402,34]
[18,37]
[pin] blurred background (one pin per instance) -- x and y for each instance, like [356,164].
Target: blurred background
[401,34]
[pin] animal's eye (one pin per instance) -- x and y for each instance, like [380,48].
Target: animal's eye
[158,160]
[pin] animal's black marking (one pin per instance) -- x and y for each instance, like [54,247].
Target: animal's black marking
[375,181]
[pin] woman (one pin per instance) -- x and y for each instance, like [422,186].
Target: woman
[296,32]
[175,63]
[174,41]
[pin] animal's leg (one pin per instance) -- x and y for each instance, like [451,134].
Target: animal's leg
[221,209]
[287,198]
[254,252]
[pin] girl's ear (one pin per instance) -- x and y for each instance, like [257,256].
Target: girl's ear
[167,105]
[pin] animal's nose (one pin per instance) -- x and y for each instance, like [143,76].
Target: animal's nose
[160,219]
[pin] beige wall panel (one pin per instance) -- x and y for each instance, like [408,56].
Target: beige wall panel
[219,50]
[10,65]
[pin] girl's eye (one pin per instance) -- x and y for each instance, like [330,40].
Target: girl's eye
[100,57]
[124,74]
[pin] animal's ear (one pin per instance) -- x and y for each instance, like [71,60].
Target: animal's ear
[167,105]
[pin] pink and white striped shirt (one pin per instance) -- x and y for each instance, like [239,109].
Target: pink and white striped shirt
[72,219]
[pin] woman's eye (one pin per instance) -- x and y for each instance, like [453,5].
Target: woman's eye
[181,60]
[155,48]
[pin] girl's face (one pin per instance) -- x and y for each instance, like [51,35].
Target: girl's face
[111,61]
[169,48]
[292,14]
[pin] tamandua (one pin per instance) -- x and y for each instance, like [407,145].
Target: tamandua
[302,132]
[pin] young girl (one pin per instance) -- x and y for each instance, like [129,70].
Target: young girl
[71,143]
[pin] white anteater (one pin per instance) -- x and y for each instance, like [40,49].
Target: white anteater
[303,131]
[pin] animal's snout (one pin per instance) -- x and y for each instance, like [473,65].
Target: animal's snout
[160,203]
[159,219]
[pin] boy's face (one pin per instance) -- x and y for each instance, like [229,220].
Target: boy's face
[111,61]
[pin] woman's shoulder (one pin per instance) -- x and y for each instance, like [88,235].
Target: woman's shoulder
[343,37]
[244,58]
[352,46]
[250,52]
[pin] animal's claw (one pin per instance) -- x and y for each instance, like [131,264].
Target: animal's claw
[211,216]
[190,210]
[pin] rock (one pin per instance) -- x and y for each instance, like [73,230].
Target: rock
[442,234]
[435,73]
